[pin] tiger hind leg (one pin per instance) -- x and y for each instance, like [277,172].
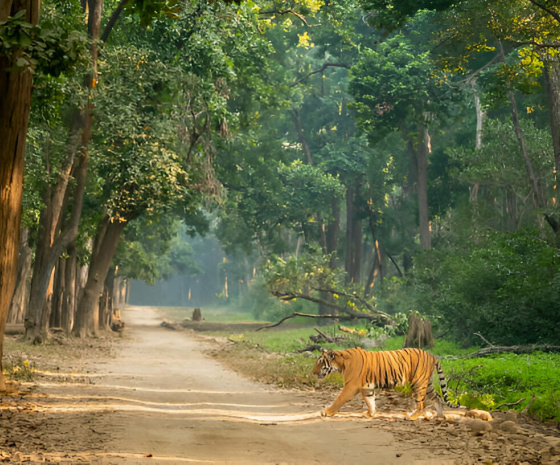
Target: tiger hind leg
[419,395]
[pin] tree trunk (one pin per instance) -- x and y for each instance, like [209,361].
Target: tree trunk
[353,238]
[105,246]
[480,116]
[59,294]
[552,79]
[21,294]
[106,304]
[422,187]
[523,147]
[71,287]
[15,101]
[54,244]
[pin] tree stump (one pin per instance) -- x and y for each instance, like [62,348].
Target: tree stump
[196,315]
[419,332]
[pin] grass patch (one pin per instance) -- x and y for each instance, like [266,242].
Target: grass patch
[221,314]
[491,382]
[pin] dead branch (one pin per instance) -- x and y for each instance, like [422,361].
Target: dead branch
[320,70]
[374,315]
[323,335]
[462,377]
[521,349]
[484,339]
[526,408]
[511,404]
[293,315]
[310,348]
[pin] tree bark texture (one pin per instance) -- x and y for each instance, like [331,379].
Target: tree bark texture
[353,238]
[54,237]
[552,79]
[105,246]
[15,102]
[21,292]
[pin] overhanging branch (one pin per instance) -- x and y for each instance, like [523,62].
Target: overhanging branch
[320,70]
[555,15]
[373,315]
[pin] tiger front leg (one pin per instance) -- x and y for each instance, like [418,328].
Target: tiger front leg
[369,398]
[345,395]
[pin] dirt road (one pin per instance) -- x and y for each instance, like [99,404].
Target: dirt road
[162,400]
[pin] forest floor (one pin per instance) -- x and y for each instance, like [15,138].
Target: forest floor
[155,395]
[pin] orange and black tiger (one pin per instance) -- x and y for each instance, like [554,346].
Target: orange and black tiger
[366,371]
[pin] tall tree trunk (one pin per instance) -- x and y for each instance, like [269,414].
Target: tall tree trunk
[552,79]
[54,239]
[15,102]
[301,137]
[106,304]
[422,187]
[54,244]
[377,265]
[480,116]
[71,286]
[59,294]
[21,294]
[353,238]
[105,246]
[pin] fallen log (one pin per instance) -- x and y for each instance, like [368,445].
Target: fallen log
[310,348]
[521,349]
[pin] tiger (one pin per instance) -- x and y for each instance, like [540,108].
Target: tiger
[365,371]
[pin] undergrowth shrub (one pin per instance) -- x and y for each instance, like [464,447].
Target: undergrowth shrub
[505,286]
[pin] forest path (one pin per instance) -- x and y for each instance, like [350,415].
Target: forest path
[161,399]
[181,406]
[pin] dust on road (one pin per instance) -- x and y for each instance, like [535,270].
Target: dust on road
[162,399]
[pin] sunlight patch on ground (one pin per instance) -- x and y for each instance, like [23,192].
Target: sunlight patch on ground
[206,413]
[162,405]
[140,389]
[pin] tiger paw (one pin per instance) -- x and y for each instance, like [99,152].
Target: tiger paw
[326,413]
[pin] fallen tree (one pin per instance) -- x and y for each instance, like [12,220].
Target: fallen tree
[517,349]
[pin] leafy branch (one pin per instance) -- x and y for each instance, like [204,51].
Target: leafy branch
[311,278]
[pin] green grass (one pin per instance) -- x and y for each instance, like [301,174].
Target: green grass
[506,379]
[221,314]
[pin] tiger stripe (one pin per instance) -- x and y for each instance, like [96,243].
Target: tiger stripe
[364,371]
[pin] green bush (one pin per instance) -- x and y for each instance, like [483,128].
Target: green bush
[505,286]
[504,380]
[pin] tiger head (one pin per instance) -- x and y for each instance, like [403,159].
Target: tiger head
[326,364]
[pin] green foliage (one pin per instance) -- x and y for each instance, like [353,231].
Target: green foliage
[155,249]
[53,47]
[505,379]
[505,286]
[391,14]
[297,275]
[392,84]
